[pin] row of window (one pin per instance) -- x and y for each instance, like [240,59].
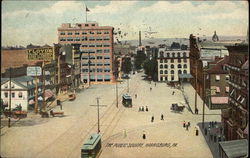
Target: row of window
[172,60]
[172,71]
[184,54]
[172,66]
[20,94]
[98,64]
[93,57]
[85,33]
[96,70]
[96,51]
[96,45]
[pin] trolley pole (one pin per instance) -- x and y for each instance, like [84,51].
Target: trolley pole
[98,130]
[196,87]
[116,87]
[9,99]
[204,93]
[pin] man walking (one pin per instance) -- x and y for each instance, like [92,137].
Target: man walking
[152,119]
[162,117]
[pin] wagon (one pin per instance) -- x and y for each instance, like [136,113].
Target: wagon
[177,108]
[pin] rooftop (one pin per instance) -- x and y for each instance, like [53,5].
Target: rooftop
[235,148]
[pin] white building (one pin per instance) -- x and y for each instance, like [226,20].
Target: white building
[171,63]
[22,91]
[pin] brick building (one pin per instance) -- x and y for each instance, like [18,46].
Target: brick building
[217,77]
[96,49]
[235,118]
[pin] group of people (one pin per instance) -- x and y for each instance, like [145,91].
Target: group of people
[152,118]
[141,108]
[186,125]
[214,131]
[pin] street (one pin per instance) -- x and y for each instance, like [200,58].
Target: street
[121,128]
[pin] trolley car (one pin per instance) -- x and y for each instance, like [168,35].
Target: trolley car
[127,100]
[92,147]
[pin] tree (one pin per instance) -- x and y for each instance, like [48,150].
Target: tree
[126,65]
[139,59]
[150,68]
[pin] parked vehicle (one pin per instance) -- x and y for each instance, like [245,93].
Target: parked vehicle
[177,108]
[127,100]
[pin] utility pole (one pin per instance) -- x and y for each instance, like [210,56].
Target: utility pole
[116,87]
[44,101]
[204,97]
[9,100]
[196,87]
[36,99]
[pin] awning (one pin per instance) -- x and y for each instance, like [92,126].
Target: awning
[227,89]
[185,76]
[218,89]
[235,148]
[219,100]
[48,94]
[31,101]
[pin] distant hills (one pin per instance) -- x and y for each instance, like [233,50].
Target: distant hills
[169,41]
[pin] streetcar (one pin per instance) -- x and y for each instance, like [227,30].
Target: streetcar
[127,100]
[92,147]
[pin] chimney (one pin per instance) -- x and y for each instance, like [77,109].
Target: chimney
[140,38]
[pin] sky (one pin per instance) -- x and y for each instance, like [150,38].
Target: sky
[36,22]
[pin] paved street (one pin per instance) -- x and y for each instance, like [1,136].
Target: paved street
[63,136]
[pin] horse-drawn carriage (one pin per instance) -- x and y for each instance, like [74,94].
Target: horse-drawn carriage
[177,108]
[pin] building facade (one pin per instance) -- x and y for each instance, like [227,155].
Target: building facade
[235,118]
[96,49]
[171,63]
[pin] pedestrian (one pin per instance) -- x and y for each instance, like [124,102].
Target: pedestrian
[142,108]
[173,92]
[162,117]
[196,131]
[152,119]
[150,89]
[205,131]
[197,111]
[184,124]
[146,108]
[187,128]
[155,84]
[135,95]
[144,135]
[188,123]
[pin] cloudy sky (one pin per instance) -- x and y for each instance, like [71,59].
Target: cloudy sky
[36,22]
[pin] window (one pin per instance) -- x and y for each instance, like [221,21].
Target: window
[20,94]
[106,39]
[179,60]
[185,71]
[106,57]
[92,24]
[99,70]
[168,55]
[166,71]
[91,45]
[62,33]
[172,78]
[185,60]
[106,70]
[84,45]
[179,65]
[217,77]
[161,72]
[161,61]
[161,78]
[172,66]
[98,51]
[99,32]
[12,86]
[178,54]
[6,94]
[184,54]
[99,64]
[91,32]
[99,57]
[106,45]
[91,39]
[165,66]
[106,50]
[84,33]
[77,33]
[84,38]
[99,45]
[161,66]
[106,32]
[69,33]
[99,39]
[86,24]
[77,39]
[165,60]
[161,54]
[172,60]
[179,72]
[13,95]
[6,86]
[172,71]
[185,66]
[173,55]
[106,64]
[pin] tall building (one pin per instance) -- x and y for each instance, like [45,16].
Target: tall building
[235,118]
[96,49]
[171,63]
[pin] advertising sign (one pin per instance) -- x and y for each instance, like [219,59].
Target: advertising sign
[40,54]
[34,71]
